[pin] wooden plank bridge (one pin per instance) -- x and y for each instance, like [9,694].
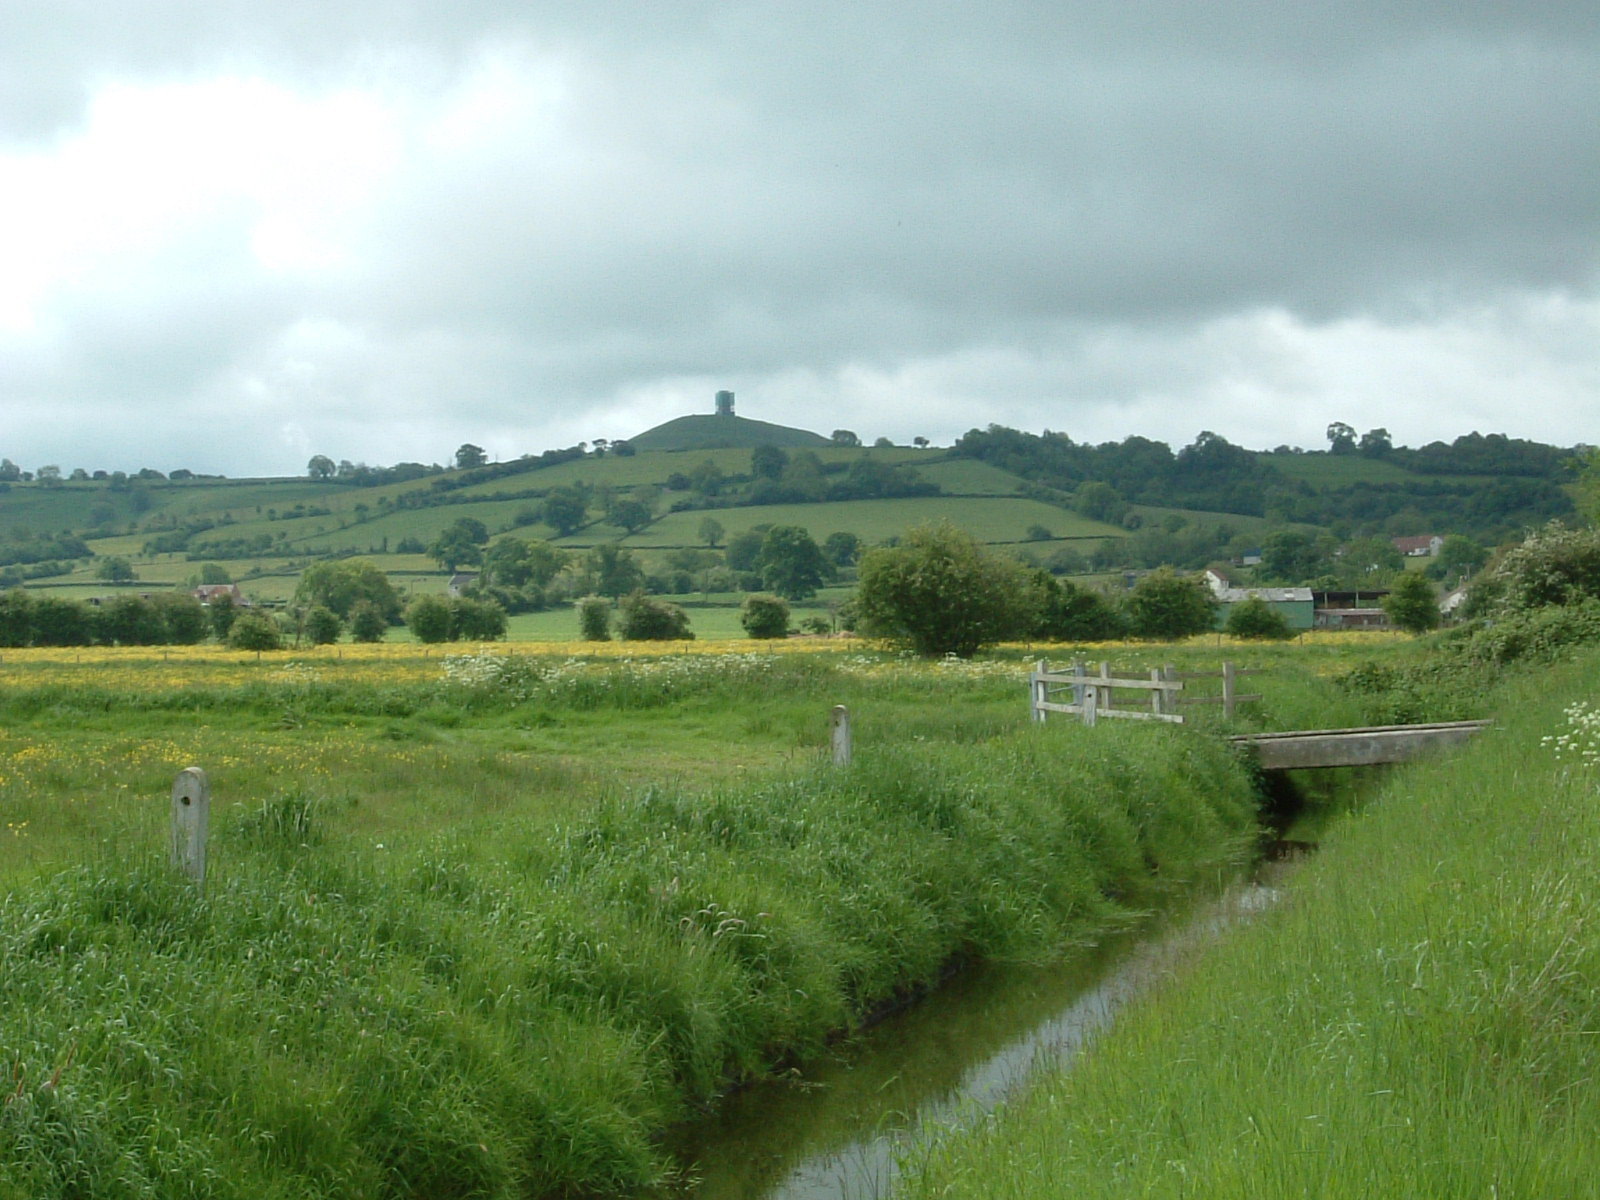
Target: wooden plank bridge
[1364,747]
[1093,697]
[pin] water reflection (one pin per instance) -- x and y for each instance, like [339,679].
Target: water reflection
[834,1133]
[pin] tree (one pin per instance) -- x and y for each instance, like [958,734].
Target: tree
[1341,438]
[428,618]
[594,619]
[744,549]
[255,631]
[882,443]
[768,462]
[940,592]
[214,573]
[1254,619]
[630,514]
[616,572]
[646,619]
[1099,501]
[340,584]
[469,456]
[1165,605]
[791,563]
[367,622]
[764,617]
[458,544]
[844,437]
[564,510]
[16,618]
[841,549]
[49,475]
[1061,611]
[115,570]
[1458,557]
[516,562]
[707,478]
[1411,604]
[221,612]
[322,625]
[1375,443]
[183,618]
[477,620]
[921,443]
[711,531]
[320,467]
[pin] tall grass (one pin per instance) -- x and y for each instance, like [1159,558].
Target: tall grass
[1417,1018]
[523,1017]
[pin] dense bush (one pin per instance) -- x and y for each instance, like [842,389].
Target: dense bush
[1555,565]
[1064,612]
[428,618]
[1255,619]
[646,619]
[594,619]
[765,616]
[941,592]
[1165,605]
[255,631]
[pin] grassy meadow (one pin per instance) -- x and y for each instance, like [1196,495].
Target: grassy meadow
[486,921]
[1417,1017]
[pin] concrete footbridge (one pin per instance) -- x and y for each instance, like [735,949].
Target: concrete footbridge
[1367,746]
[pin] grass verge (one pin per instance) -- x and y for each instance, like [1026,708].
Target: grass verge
[1419,1016]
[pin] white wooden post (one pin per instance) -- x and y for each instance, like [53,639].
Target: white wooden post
[191,815]
[1038,691]
[1090,704]
[1078,690]
[1158,696]
[841,736]
[1103,700]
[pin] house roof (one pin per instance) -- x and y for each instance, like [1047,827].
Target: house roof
[1414,545]
[1272,595]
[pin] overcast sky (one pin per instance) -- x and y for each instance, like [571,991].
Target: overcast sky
[234,234]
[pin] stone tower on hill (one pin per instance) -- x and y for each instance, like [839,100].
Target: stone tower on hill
[724,404]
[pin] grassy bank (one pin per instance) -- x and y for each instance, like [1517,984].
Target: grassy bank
[441,954]
[1417,1018]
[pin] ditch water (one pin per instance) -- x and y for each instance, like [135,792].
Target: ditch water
[838,1130]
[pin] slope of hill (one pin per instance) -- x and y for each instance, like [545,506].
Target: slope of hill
[713,432]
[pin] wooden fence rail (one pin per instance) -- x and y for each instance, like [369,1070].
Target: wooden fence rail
[1094,696]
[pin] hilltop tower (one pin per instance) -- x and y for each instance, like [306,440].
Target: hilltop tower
[724,404]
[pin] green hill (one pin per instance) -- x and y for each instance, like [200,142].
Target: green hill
[712,432]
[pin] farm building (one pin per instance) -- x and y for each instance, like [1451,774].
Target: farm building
[1295,603]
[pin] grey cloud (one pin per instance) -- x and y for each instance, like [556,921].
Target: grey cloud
[843,198]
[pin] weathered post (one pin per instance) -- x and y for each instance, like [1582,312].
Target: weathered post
[1038,692]
[841,736]
[1158,696]
[1227,690]
[191,815]
[1104,700]
[1091,702]
[1078,690]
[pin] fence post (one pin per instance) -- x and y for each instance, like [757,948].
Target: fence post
[1158,696]
[1090,704]
[841,736]
[1078,690]
[1104,700]
[191,813]
[1038,692]
[1227,690]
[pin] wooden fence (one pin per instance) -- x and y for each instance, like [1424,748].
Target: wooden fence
[1093,696]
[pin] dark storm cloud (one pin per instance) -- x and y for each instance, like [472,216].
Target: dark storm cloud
[599,209]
